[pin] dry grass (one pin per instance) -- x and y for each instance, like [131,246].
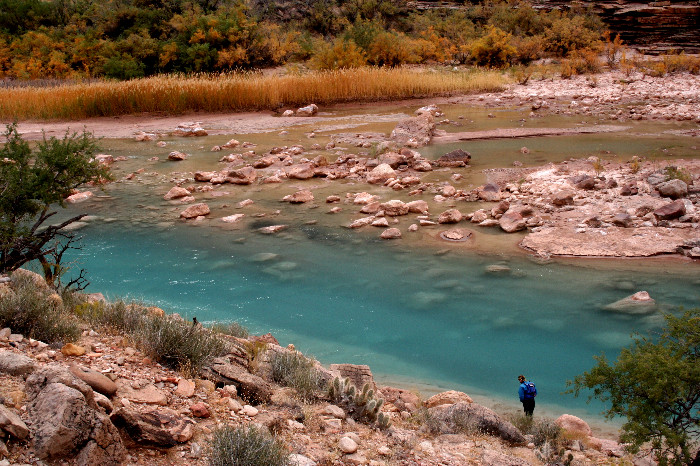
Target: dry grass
[237,92]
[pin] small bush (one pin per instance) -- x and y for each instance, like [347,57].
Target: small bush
[296,371]
[36,312]
[342,54]
[115,317]
[233,329]
[246,446]
[675,173]
[176,343]
[677,63]
[545,430]
[581,62]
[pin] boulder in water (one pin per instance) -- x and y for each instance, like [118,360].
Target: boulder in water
[638,303]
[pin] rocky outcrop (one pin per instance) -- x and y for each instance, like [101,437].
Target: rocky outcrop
[457,417]
[359,374]
[162,428]
[249,386]
[66,422]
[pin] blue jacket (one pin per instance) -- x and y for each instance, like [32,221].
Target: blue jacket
[521,390]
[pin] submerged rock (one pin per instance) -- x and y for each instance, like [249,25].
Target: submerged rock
[195,210]
[638,303]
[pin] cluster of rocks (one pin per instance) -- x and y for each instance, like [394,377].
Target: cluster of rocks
[614,95]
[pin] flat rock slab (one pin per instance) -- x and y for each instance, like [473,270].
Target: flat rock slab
[148,394]
[161,428]
[16,364]
[607,242]
[503,133]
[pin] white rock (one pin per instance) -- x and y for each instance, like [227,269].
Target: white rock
[347,445]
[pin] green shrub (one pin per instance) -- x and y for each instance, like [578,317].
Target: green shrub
[246,446]
[567,34]
[296,371]
[233,329]
[115,317]
[674,173]
[176,343]
[36,312]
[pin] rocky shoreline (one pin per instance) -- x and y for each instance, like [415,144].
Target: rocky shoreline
[102,401]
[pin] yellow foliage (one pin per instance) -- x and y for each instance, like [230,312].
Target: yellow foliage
[168,54]
[198,37]
[341,54]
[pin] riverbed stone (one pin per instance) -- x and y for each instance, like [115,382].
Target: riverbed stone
[299,197]
[512,221]
[454,159]
[302,171]
[242,176]
[176,192]
[671,210]
[450,216]
[638,303]
[391,233]
[195,211]
[177,156]
[675,189]
[394,208]
[380,174]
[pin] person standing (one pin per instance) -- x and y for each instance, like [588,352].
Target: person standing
[527,393]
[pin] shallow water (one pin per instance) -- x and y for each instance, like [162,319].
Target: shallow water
[420,312]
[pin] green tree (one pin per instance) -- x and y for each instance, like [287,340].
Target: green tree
[32,182]
[655,384]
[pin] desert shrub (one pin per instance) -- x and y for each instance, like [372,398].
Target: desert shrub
[580,62]
[246,446]
[567,34]
[231,328]
[361,405]
[528,48]
[341,54]
[36,312]
[295,370]
[545,430]
[115,317]
[675,173]
[176,343]
[677,63]
[391,49]
[493,49]
[612,49]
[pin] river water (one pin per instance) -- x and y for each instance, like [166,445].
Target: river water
[423,313]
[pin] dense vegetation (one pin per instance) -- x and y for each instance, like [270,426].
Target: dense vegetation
[134,38]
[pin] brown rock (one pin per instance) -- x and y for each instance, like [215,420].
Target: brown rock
[303,171]
[670,211]
[415,131]
[244,176]
[12,423]
[160,428]
[380,174]
[177,156]
[358,374]
[96,380]
[371,208]
[394,208]
[69,349]
[391,233]
[450,216]
[250,387]
[204,176]
[675,189]
[195,210]
[392,159]
[200,410]
[490,192]
[563,197]
[456,158]
[266,338]
[185,388]
[299,197]
[418,207]
[512,221]
[176,192]
[573,424]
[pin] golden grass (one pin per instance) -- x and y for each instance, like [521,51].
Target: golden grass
[237,92]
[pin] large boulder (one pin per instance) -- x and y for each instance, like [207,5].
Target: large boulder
[573,424]
[512,221]
[456,158]
[65,423]
[176,192]
[454,418]
[162,428]
[490,192]
[415,131]
[249,386]
[392,159]
[380,174]
[675,189]
[670,211]
[418,207]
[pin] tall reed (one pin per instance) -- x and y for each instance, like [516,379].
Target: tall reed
[173,94]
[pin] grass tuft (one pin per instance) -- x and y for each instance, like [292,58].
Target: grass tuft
[246,446]
[296,371]
[235,92]
[36,312]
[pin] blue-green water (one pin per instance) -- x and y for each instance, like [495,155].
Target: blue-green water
[410,314]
